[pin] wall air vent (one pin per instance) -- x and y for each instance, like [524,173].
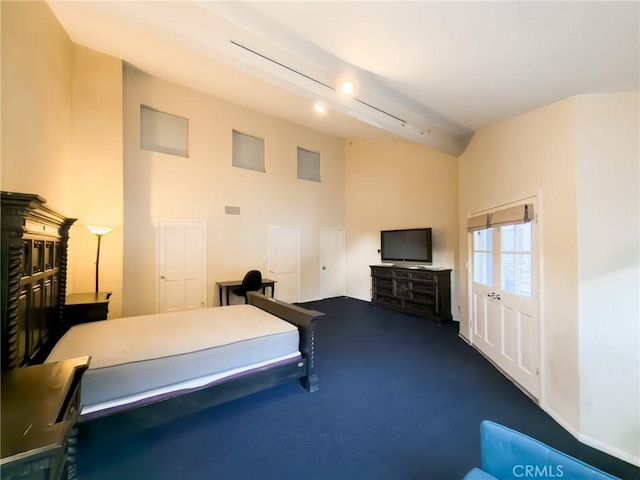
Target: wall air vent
[230,210]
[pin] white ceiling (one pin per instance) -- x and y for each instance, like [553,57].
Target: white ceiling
[433,72]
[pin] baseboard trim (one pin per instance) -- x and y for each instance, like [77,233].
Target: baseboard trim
[587,440]
[590,441]
[560,420]
[606,448]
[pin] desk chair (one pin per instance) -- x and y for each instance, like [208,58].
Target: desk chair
[252,282]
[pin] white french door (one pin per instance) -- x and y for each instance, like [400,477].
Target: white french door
[505,300]
[485,328]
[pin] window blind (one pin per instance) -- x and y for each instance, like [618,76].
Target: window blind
[512,215]
[479,222]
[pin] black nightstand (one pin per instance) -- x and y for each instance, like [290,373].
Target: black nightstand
[86,307]
[40,405]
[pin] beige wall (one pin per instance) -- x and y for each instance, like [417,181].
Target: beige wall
[97,170]
[36,104]
[393,185]
[561,153]
[62,135]
[534,154]
[160,186]
[608,224]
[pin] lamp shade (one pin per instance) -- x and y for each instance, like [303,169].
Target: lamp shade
[99,230]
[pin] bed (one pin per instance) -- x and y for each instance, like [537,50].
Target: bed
[154,368]
[33,283]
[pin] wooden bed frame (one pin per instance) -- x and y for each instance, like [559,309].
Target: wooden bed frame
[34,272]
[157,412]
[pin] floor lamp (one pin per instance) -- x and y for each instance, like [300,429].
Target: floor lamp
[99,232]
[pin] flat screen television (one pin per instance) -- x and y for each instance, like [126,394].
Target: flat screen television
[409,245]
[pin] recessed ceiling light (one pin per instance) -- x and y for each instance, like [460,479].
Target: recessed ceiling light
[319,108]
[347,87]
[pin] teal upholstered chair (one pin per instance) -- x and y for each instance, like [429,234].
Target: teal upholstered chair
[508,454]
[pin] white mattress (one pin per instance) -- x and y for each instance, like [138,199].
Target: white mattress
[140,355]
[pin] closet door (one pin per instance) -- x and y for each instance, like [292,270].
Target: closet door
[333,262]
[284,262]
[181,265]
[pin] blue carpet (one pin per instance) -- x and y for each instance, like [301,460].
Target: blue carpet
[400,398]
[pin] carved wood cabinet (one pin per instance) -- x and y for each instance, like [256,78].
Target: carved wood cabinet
[34,249]
[419,291]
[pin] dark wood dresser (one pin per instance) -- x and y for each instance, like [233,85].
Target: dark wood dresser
[416,290]
[40,405]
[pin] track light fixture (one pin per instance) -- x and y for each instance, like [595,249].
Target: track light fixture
[319,108]
[348,87]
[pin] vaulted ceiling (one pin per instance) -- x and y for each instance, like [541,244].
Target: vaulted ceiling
[432,72]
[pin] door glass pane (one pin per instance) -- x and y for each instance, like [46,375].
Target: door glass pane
[483,256]
[515,259]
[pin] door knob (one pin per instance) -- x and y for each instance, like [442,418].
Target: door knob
[162,276]
[324,268]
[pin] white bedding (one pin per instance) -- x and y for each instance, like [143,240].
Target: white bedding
[139,356]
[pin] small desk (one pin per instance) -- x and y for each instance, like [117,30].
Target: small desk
[231,284]
[86,307]
[40,405]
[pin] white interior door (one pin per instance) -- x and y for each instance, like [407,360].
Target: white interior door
[284,262]
[333,262]
[181,265]
[505,301]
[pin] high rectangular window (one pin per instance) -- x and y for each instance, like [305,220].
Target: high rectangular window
[248,152]
[308,165]
[163,132]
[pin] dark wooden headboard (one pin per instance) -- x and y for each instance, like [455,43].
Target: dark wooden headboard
[34,278]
